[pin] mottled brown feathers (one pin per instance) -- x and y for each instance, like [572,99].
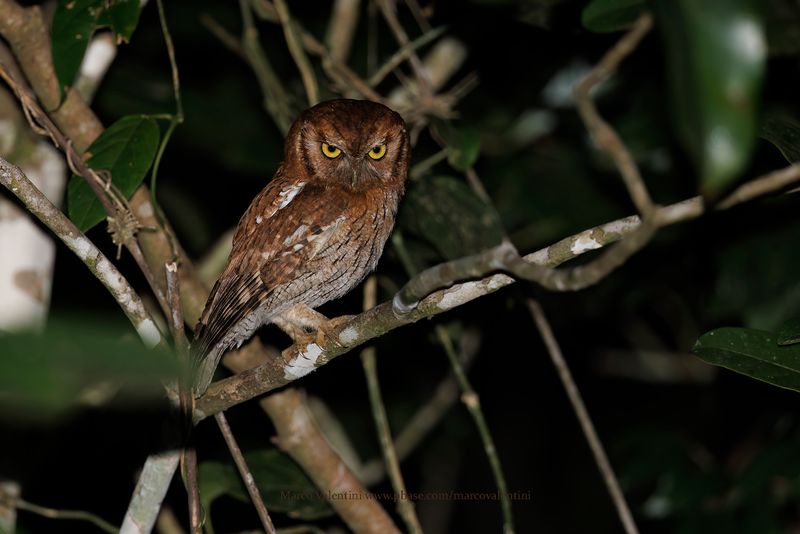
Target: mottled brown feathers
[315,231]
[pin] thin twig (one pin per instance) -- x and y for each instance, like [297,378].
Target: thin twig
[54,513]
[230,41]
[428,416]
[471,400]
[276,101]
[189,454]
[582,414]
[602,133]
[405,507]
[342,27]
[388,10]
[403,53]
[297,52]
[419,16]
[244,471]
[174,121]
[420,169]
[773,181]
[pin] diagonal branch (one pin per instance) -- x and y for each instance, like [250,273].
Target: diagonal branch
[602,133]
[296,50]
[299,360]
[12,178]
[405,508]
[578,406]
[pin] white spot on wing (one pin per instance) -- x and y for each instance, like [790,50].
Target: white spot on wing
[288,194]
[259,218]
[296,235]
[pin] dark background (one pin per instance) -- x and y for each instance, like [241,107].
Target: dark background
[697,449]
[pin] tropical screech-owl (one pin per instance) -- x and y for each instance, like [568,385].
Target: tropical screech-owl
[316,230]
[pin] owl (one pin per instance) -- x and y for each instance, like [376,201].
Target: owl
[315,231]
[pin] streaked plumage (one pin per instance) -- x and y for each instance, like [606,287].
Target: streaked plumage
[315,231]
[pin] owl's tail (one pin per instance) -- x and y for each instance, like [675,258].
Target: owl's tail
[206,361]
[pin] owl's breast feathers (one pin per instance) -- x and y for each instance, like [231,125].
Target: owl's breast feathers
[298,243]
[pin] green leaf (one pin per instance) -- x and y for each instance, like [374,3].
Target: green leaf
[603,16]
[716,53]
[125,149]
[445,212]
[283,485]
[789,331]
[465,147]
[783,131]
[753,353]
[121,16]
[77,361]
[73,24]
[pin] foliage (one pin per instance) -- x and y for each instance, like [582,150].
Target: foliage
[704,103]
[125,150]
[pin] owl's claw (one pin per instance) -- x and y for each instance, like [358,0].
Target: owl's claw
[326,333]
[306,326]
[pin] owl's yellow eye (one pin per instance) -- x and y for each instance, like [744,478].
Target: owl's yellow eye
[377,152]
[331,151]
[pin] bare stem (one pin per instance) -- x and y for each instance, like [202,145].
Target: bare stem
[276,101]
[472,401]
[405,507]
[403,53]
[602,133]
[600,457]
[299,55]
[342,28]
[388,10]
[54,513]
[189,454]
[244,472]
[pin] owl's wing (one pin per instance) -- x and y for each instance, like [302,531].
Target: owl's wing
[284,228]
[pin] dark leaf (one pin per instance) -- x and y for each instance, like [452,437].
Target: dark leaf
[789,331]
[121,16]
[465,147]
[72,362]
[126,150]
[73,24]
[716,52]
[753,353]
[445,212]
[604,16]
[783,131]
[283,485]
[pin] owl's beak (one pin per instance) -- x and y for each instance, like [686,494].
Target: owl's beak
[354,179]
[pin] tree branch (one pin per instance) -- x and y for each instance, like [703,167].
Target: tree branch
[405,507]
[12,178]
[299,360]
[600,457]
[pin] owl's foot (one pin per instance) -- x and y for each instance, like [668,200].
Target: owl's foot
[306,326]
[326,333]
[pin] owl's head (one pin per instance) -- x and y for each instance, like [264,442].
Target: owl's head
[352,143]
